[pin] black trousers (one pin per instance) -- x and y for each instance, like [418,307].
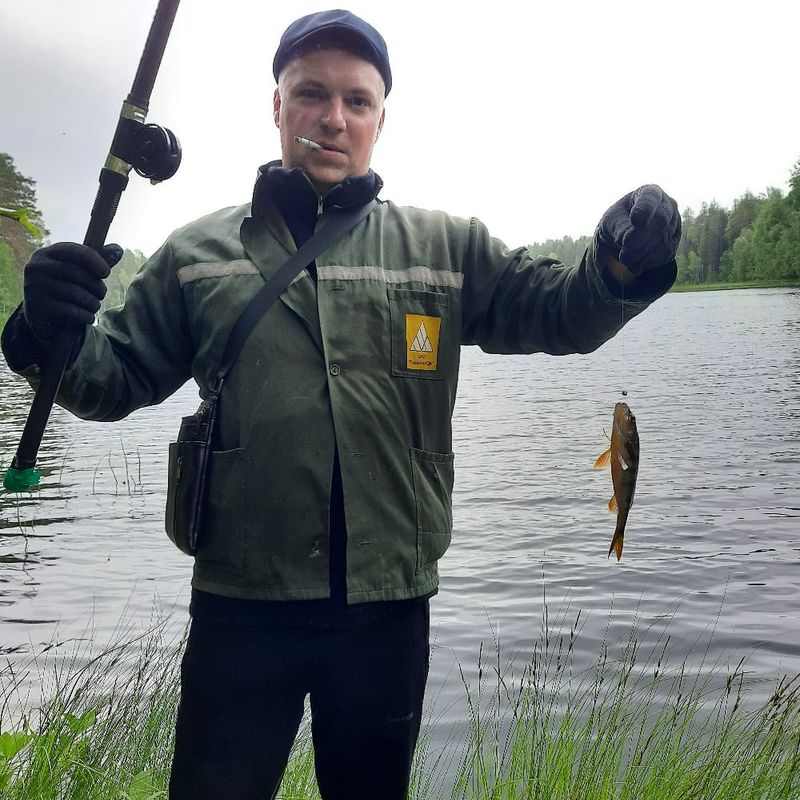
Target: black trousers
[243,687]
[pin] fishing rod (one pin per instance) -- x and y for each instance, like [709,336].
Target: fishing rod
[151,151]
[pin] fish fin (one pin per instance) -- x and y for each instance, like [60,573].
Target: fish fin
[612,504]
[603,460]
[616,546]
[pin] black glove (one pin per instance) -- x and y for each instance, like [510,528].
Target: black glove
[643,229]
[63,286]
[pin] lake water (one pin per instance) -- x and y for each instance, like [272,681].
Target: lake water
[712,548]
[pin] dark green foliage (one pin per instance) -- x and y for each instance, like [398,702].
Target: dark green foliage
[565,249]
[17,243]
[758,239]
[120,278]
[16,191]
[10,281]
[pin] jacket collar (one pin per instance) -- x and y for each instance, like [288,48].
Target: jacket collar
[292,192]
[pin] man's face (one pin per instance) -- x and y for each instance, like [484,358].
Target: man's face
[333,98]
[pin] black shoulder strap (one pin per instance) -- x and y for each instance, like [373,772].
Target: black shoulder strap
[333,226]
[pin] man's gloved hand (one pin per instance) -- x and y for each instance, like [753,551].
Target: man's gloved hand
[63,286]
[642,229]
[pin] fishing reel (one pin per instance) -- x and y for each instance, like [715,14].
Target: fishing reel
[156,153]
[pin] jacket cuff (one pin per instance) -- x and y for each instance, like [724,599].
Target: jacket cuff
[25,352]
[21,348]
[648,286]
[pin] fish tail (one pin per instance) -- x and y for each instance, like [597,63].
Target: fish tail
[616,546]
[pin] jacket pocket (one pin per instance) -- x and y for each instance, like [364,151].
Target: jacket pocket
[222,538]
[432,474]
[423,334]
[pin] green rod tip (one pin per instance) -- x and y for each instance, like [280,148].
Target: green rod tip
[20,480]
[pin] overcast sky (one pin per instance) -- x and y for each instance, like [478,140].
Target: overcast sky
[533,116]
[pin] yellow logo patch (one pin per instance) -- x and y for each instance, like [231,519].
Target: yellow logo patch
[422,341]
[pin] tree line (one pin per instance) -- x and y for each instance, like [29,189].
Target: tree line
[757,239]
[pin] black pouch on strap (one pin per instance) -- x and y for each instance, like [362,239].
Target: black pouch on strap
[187,480]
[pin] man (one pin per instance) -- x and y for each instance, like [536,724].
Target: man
[330,496]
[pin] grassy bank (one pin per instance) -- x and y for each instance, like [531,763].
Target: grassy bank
[716,287]
[630,728]
[102,729]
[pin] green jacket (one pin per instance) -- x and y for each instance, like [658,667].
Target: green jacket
[365,360]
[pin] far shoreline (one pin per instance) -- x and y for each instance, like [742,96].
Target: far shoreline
[716,287]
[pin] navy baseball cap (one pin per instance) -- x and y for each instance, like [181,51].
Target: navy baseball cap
[336,28]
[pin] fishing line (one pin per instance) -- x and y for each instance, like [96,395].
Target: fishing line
[622,333]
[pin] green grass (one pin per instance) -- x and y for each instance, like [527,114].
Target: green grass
[102,730]
[631,727]
[716,287]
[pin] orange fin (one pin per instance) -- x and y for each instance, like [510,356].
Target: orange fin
[603,460]
[616,546]
[612,504]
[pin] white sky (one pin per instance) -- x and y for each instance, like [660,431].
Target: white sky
[533,116]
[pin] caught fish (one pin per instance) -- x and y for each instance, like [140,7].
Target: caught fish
[623,455]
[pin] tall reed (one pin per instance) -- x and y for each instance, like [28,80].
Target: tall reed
[103,728]
[631,727]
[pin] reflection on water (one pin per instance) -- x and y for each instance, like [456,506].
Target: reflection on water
[711,551]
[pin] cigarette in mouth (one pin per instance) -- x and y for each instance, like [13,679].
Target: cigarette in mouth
[307,143]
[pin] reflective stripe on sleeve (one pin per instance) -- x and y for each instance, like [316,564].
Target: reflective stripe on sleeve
[194,272]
